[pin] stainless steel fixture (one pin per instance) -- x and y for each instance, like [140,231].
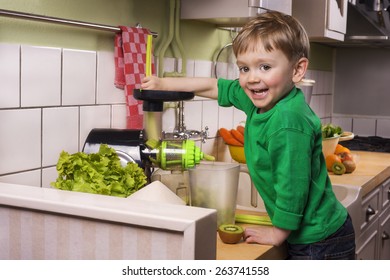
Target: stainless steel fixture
[48,19]
[368,21]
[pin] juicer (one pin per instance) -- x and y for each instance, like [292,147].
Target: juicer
[146,147]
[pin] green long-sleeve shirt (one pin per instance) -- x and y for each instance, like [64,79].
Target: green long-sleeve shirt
[283,150]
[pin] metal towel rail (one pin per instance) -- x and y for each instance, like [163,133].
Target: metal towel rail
[48,19]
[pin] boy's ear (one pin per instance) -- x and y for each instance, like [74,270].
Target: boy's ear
[300,69]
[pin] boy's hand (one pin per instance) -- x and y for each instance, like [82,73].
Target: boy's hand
[266,235]
[152,83]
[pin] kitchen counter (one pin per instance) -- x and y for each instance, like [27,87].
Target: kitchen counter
[245,251]
[372,169]
[45,223]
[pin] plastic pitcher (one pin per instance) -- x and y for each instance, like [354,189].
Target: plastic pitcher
[215,185]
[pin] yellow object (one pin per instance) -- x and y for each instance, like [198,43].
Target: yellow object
[253,219]
[237,153]
[149,55]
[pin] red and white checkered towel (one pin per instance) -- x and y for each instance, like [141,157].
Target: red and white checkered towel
[130,59]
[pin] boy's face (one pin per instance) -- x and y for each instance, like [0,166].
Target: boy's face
[266,76]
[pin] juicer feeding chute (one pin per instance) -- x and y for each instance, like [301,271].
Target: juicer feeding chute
[153,105]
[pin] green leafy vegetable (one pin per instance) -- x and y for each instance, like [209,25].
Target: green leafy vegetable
[330,130]
[99,173]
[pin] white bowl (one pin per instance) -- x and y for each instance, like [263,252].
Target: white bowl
[329,145]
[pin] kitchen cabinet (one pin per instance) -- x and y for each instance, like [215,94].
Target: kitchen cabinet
[373,241]
[384,235]
[384,223]
[324,20]
[366,234]
[367,244]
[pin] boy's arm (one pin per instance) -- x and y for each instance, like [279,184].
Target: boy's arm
[266,235]
[205,87]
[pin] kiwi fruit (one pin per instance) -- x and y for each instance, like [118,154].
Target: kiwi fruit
[230,233]
[350,166]
[338,168]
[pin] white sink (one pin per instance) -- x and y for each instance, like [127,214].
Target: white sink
[347,195]
[351,198]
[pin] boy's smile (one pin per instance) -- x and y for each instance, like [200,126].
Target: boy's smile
[265,76]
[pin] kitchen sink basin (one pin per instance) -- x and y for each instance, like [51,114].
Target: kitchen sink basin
[347,195]
[351,198]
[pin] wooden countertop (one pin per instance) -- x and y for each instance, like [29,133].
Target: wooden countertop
[372,169]
[245,251]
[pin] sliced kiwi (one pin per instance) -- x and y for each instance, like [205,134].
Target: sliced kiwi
[230,233]
[338,168]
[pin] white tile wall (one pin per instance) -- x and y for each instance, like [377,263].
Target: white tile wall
[383,128]
[221,70]
[344,122]
[50,99]
[210,117]
[49,175]
[78,77]
[364,126]
[203,69]
[107,93]
[193,115]
[20,141]
[118,113]
[40,76]
[59,135]
[322,95]
[29,178]
[93,117]
[9,75]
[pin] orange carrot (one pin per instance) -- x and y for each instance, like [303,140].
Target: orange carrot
[238,135]
[225,134]
[228,137]
[234,142]
[241,129]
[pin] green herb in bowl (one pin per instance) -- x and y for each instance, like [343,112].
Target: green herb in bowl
[331,130]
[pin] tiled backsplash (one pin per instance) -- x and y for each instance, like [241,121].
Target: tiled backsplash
[364,125]
[51,98]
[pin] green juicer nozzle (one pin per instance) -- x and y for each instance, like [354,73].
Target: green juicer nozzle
[182,154]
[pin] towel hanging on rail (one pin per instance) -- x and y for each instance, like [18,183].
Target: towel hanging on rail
[130,68]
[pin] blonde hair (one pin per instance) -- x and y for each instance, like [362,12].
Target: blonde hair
[273,30]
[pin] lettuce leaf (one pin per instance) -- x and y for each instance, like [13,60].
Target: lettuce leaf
[99,173]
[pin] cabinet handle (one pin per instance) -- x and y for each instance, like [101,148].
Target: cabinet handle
[369,212]
[388,193]
[385,236]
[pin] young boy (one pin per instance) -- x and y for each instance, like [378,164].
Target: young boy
[283,139]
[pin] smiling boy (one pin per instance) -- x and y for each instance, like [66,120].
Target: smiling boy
[283,139]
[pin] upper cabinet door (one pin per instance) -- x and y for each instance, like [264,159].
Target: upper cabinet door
[324,20]
[337,15]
